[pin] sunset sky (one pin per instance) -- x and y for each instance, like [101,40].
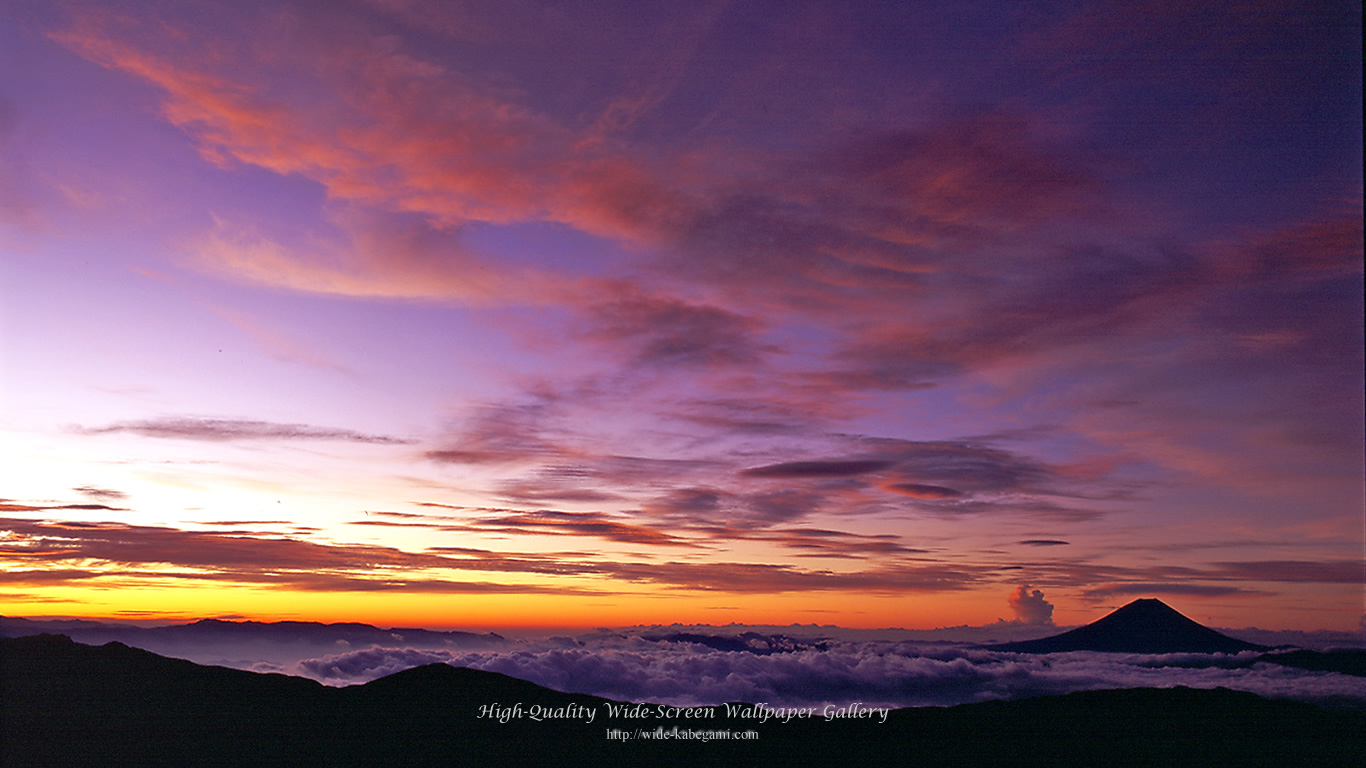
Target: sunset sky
[519,313]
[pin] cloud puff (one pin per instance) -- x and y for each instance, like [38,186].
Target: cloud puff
[1030,607]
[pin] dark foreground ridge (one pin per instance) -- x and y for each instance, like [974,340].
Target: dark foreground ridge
[1143,626]
[67,704]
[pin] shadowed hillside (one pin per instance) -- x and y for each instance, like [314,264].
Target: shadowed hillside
[66,704]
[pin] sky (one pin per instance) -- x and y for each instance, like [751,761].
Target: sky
[524,314]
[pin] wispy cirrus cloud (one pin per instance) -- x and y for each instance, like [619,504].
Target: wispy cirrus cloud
[820,542]
[1106,591]
[140,554]
[549,453]
[923,491]
[1304,571]
[864,222]
[101,494]
[10,506]
[651,531]
[222,430]
[856,220]
[278,345]
[666,332]
[784,577]
[550,523]
[818,469]
[506,433]
[48,551]
[951,477]
[133,554]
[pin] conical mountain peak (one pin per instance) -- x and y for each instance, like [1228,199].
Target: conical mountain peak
[1146,625]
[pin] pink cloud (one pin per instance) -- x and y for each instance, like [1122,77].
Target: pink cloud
[390,130]
[1030,607]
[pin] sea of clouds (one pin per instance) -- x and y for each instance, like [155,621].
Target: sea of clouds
[779,671]
[797,665]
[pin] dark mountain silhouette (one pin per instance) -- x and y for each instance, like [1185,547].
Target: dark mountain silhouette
[67,704]
[1143,626]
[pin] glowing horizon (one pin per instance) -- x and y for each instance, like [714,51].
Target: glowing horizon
[513,315]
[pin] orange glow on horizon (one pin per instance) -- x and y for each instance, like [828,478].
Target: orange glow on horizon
[519,611]
[526,612]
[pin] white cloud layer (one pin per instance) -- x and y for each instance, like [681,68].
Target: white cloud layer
[877,673]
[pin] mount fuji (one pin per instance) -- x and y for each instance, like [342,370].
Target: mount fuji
[1143,626]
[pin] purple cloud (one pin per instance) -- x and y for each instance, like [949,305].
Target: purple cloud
[818,469]
[222,430]
[666,332]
